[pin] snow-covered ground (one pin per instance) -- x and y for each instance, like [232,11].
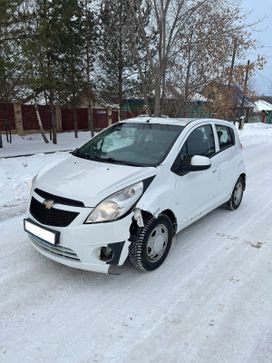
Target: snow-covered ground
[31,144]
[16,173]
[209,302]
[256,133]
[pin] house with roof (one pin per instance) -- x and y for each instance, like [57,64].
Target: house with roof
[264,109]
[228,101]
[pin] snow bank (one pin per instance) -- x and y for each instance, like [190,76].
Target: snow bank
[32,144]
[255,133]
[16,175]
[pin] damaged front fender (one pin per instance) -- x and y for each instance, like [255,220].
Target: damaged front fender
[154,202]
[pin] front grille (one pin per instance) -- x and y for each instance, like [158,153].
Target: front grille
[51,217]
[59,200]
[54,249]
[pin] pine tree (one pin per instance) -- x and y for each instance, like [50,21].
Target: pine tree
[90,43]
[70,43]
[116,61]
[11,24]
[42,54]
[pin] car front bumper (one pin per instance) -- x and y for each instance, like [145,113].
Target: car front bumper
[79,245]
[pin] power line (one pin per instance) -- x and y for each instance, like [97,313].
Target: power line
[264,77]
[256,54]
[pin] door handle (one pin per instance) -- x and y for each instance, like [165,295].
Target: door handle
[214,171]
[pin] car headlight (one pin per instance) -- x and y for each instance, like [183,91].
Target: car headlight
[116,205]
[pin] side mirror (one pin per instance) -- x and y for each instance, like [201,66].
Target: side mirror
[199,162]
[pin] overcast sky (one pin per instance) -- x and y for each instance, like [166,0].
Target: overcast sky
[262,32]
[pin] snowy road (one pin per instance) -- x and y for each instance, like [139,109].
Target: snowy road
[211,301]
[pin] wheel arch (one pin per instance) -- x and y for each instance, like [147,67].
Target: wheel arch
[147,215]
[170,214]
[243,176]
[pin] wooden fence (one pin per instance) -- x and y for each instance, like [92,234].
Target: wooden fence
[22,118]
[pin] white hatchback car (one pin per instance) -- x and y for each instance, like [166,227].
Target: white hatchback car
[128,190]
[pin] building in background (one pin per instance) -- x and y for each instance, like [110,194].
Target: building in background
[263,110]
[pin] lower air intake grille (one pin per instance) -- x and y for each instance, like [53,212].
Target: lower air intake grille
[51,217]
[54,249]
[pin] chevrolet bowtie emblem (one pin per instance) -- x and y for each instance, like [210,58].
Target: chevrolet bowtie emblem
[48,204]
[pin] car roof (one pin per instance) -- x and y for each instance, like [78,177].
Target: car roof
[159,120]
[174,121]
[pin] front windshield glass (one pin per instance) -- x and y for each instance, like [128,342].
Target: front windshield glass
[138,144]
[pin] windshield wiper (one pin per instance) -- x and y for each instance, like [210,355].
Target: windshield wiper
[109,160]
[121,162]
[87,156]
[99,158]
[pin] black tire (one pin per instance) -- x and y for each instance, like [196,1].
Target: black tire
[140,251]
[236,195]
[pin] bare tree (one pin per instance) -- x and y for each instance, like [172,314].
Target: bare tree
[207,48]
[186,45]
[40,123]
[163,39]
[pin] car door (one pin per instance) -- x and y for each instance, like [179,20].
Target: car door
[195,190]
[227,160]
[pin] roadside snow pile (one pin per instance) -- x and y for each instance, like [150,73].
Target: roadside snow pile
[31,144]
[255,133]
[16,175]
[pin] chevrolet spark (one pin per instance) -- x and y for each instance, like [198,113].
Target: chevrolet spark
[131,188]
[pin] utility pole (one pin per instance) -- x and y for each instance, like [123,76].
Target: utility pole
[230,80]
[242,118]
[235,47]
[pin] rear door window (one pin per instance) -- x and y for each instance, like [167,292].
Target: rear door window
[226,136]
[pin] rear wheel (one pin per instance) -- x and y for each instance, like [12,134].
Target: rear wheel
[151,243]
[237,195]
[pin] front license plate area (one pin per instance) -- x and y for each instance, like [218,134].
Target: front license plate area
[46,234]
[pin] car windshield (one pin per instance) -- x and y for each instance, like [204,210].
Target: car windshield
[137,144]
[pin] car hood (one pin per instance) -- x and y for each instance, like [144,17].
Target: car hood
[88,181]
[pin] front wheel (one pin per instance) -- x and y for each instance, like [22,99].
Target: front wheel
[237,195]
[151,243]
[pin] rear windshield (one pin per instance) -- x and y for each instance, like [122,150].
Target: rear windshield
[137,144]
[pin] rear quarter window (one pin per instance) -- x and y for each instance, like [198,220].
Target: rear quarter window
[226,136]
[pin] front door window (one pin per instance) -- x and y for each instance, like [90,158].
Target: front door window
[200,142]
